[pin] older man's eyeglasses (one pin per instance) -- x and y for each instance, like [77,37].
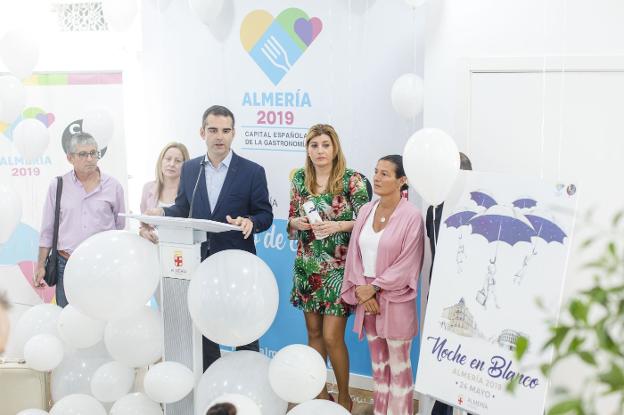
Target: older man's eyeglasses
[83,155]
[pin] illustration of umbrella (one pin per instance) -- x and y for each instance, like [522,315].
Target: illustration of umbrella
[458,220]
[545,229]
[482,199]
[498,224]
[524,203]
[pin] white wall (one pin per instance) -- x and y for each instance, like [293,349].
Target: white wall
[458,31]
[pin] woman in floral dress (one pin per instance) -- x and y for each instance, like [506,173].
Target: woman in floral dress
[337,193]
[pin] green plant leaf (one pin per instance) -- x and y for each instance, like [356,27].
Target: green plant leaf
[611,248]
[545,368]
[578,309]
[559,334]
[616,218]
[587,242]
[575,344]
[587,358]
[614,378]
[522,344]
[572,405]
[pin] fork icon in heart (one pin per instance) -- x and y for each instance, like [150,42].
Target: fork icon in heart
[275,44]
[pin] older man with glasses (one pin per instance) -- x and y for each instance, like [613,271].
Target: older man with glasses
[91,202]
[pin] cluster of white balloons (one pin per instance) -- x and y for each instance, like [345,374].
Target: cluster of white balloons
[94,345]
[233,299]
[256,385]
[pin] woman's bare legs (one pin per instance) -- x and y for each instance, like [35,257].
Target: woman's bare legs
[314,325]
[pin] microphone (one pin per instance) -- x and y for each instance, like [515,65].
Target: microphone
[202,166]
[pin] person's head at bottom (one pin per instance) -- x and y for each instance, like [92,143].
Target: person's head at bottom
[223,408]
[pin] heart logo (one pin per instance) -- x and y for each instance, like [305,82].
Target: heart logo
[275,44]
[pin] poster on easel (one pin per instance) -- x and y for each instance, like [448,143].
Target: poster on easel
[502,249]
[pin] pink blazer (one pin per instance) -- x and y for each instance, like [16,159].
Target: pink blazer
[399,260]
[149,198]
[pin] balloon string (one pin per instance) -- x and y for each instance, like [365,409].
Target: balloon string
[543,121]
[562,87]
[332,80]
[414,49]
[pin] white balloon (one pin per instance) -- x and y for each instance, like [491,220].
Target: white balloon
[12,98]
[233,297]
[318,406]
[111,274]
[32,411]
[243,405]
[78,404]
[136,340]
[415,3]
[431,162]
[43,352]
[31,137]
[297,373]
[135,404]
[79,330]
[207,10]
[11,208]
[119,14]
[111,381]
[40,319]
[100,124]
[408,95]
[243,372]
[19,51]
[168,382]
[75,372]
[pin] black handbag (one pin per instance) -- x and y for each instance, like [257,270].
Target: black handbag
[51,276]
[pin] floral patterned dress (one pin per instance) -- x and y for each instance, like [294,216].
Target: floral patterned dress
[319,265]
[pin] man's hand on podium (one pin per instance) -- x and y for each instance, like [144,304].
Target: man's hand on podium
[155,212]
[246,224]
[149,233]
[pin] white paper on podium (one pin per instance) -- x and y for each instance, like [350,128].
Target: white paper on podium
[184,223]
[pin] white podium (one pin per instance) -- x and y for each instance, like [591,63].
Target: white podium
[179,246]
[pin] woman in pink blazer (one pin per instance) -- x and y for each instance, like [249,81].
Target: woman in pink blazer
[381,279]
[162,191]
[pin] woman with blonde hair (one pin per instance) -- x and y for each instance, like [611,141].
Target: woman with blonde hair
[336,193]
[162,191]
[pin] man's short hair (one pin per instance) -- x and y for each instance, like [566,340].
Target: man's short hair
[81,139]
[224,408]
[464,162]
[218,110]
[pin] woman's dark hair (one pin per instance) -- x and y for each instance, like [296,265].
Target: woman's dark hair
[224,408]
[399,171]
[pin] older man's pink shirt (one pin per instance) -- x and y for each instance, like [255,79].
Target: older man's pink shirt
[82,214]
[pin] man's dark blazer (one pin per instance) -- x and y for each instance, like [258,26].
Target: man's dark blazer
[244,193]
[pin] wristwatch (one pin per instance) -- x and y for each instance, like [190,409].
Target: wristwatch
[376,288]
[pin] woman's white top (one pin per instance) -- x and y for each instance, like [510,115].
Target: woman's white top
[369,242]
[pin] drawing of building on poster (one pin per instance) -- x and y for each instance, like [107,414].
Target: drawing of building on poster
[503,245]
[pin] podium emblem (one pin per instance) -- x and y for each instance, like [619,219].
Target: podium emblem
[178,259]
